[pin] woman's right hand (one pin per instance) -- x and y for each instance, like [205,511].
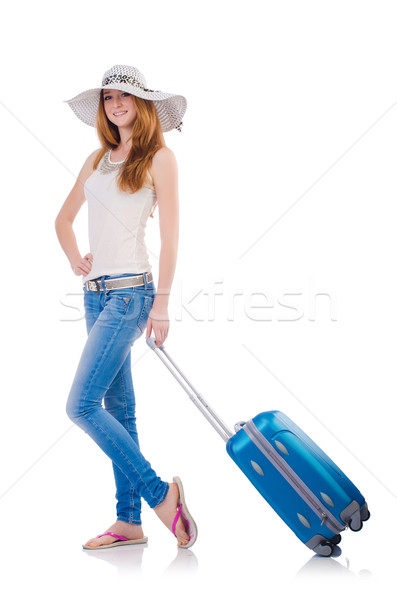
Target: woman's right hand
[83,267]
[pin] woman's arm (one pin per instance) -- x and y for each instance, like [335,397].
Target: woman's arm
[164,171]
[66,216]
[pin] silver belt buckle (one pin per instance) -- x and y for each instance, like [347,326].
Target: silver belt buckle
[93,285]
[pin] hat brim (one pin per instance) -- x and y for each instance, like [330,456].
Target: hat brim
[170,107]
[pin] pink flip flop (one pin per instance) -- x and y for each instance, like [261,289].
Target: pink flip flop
[187,519]
[124,541]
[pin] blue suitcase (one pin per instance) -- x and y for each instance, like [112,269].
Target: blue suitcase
[299,481]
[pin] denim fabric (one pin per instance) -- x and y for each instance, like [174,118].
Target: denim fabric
[115,319]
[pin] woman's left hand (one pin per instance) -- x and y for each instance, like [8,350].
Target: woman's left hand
[159,322]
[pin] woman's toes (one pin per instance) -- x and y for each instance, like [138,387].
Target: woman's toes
[106,539]
[90,541]
[182,536]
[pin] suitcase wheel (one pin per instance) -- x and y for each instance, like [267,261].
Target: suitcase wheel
[325,549]
[336,539]
[364,512]
[367,517]
[357,529]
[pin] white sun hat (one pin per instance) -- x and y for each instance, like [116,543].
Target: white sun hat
[170,107]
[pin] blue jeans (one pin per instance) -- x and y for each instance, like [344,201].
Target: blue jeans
[115,319]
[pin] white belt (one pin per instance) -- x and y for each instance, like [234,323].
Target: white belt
[95,285]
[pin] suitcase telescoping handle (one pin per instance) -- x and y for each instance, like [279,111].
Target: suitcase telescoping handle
[196,397]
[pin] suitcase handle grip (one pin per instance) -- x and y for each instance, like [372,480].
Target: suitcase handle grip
[196,397]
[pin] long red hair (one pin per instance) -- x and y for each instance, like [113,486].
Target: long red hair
[147,138]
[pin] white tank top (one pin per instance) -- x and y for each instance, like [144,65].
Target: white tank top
[117,222]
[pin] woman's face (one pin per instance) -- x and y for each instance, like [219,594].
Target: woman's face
[117,101]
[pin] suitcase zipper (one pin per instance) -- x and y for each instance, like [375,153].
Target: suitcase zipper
[289,474]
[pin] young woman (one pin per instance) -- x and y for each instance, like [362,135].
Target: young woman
[123,181]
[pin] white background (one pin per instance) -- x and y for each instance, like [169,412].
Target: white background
[287,185]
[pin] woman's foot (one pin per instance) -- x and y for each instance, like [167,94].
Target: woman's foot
[128,530]
[166,512]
